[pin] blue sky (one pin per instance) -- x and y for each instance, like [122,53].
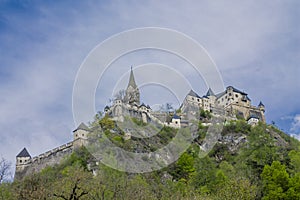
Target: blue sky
[255,44]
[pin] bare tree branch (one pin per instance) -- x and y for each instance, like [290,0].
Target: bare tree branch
[4,170]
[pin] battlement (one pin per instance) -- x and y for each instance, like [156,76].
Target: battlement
[53,152]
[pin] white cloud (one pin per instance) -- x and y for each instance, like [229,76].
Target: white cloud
[296,123]
[297,136]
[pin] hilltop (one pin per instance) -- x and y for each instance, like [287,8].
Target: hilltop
[248,162]
[215,146]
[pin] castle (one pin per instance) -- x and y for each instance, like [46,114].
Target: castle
[231,104]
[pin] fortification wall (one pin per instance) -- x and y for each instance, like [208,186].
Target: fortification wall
[49,158]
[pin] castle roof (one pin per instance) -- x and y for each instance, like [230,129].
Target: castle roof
[210,92]
[143,105]
[220,94]
[176,116]
[23,153]
[131,80]
[261,104]
[246,98]
[236,90]
[82,126]
[193,94]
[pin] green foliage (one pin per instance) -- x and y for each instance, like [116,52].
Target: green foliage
[236,189]
[205,114]
[275,181]
[257,169]
[184,167]
[6,191]
[295,160]
[106,123]
[237,126]
[138,122]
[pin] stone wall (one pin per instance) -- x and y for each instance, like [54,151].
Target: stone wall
[49,158]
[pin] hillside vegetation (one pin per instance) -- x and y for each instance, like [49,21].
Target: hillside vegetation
[258,162]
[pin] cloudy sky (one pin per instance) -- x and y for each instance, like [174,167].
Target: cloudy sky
[255,45]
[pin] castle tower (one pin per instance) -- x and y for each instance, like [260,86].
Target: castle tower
[132,95]
[261,107]
[22,160]
[80,135]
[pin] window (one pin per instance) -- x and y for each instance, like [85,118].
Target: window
[82,135]
[230,94]
[192,98]
[20,161]
[236,95]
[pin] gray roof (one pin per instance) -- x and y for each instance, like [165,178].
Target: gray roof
[193,94]
[210,92]
[131,80]
[23,153]
[82,126]
[220,94]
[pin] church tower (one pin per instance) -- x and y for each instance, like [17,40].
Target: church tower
[132,95]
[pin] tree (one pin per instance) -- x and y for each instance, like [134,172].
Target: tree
[295,160]
[236,189]
[74,183]
[184,167]
[4,170]
[275,181]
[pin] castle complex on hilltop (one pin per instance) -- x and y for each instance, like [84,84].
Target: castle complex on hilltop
[230,104]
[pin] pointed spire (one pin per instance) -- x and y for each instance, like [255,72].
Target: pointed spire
[261,104]
[23,153]
[210,92]
[131,79]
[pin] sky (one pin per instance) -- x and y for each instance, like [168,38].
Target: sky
[255,45]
